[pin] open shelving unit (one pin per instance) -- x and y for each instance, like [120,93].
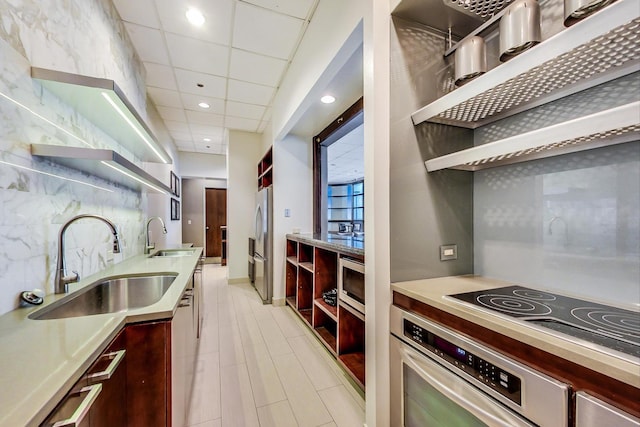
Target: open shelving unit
[265,170]
[103,103]
[598,49]
[311,271]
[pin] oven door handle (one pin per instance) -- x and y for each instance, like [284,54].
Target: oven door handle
[438,377]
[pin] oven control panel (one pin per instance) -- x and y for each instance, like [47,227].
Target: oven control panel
[484,371]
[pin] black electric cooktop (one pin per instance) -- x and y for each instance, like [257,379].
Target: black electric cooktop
[611,327]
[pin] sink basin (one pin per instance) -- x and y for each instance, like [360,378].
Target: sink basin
[174,252]
[110,295]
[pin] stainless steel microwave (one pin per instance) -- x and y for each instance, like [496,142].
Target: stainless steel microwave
[351,288]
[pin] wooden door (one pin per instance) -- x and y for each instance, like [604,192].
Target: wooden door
[215,216]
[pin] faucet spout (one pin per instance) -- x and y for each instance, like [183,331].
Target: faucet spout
[61,283]
[148,247]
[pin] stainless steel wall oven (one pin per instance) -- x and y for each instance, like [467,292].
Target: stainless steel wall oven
[442,378]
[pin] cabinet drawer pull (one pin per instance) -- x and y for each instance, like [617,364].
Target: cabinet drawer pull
[83,408]
[116,357]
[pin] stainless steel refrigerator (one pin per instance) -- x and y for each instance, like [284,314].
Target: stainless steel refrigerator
[263,256]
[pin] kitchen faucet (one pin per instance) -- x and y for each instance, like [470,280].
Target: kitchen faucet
[61,283]
[149,246]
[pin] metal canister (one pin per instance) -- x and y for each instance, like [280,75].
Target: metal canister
[470,60]
[519,28]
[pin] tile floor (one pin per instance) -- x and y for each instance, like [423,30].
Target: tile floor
[259,365]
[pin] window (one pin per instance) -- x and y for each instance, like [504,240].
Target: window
[345,208]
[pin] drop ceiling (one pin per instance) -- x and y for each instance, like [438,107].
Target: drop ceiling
[234,62]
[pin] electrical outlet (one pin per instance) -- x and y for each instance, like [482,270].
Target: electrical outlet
[448,252]
[287,213]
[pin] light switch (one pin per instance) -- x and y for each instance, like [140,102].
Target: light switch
[448,252]
[189,222]
[287,213]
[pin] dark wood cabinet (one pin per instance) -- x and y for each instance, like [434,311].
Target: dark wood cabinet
[99,398]
[110,370]
[148,348]
[311,271]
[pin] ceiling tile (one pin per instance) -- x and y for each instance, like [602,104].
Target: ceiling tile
[148,43]
[185,145]
[247,111]
[297,8]
[241,124]
[260,30]
[174,126]
[190,102]
[208,119]
[197,129]
[213,86]
[164,97]
[256,68]
[172,114]
[180,136]
[160,76]
[218,16]
[196,55]
[249,93]
[140,12]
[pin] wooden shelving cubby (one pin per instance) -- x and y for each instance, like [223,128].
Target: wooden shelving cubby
[305,256]
[310,271]
[292,251]
[351,341]
[326,327]
[265,170]
[291,281]
[305,294]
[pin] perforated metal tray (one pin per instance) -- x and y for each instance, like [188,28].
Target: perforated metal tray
[600,48]
[612,126]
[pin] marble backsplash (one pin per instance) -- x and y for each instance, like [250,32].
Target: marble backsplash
[36,196]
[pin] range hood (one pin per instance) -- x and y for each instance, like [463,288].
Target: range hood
[105,164]
[103,103]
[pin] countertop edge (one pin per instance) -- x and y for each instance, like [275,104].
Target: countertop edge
[321,243]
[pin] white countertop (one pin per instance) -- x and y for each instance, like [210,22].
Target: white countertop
[433,292]
[41,359]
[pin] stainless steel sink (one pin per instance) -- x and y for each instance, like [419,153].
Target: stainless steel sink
[109,296]
[174,253]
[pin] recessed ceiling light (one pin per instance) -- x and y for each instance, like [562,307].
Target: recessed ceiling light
[203,105]
[195,17]
[206,139]
[327,99]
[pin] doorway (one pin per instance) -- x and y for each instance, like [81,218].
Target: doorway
[215,218]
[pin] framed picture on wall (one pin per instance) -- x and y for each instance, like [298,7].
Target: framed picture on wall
[175,210]
[175,184]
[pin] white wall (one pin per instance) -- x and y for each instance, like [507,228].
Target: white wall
[242,159]
[333,22]
[202,165]
[293,189]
